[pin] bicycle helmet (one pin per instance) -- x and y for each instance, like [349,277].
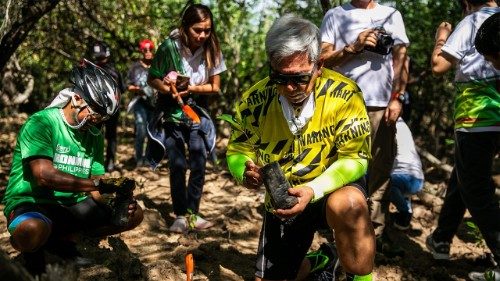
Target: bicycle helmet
[97,87]
[146,44]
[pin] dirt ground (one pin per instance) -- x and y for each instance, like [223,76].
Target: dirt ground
[227,250]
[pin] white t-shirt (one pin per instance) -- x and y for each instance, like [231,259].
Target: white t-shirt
[372,72]
[460,45]
[407,159]
[195,66]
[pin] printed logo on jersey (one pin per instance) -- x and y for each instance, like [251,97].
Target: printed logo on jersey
[62,149]
[317,136]
[259,96]
[354,129]
[71,164]
[341,92]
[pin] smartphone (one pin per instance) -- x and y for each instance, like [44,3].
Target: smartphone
[182,82]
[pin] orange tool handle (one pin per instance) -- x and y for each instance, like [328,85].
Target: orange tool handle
[185,108]
[189,266]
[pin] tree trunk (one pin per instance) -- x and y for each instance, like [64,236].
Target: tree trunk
[20,18]
[434,161]
[16,85]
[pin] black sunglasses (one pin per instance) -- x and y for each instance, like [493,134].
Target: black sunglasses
[285,79]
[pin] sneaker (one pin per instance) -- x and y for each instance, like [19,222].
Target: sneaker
[199,223]
[180,225]
[402,220]
[324,262]
[386,247]
[488,275]
[439,250]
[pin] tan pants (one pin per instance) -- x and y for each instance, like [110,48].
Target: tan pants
[383,139]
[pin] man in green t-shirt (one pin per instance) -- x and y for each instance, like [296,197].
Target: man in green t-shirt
[54,186]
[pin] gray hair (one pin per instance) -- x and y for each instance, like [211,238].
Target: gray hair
[291,35]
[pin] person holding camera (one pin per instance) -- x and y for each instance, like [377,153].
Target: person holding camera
[192,51]
[367,42]
[55,185]
[312,121]
[477,134]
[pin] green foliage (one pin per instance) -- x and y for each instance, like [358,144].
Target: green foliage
[489,275]
[475,233]
[432,97]
[63,36]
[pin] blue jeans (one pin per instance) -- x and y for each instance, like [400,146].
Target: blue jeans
[402,187]
[142,114]
[184,196]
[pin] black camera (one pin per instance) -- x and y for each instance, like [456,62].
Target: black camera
[384,42]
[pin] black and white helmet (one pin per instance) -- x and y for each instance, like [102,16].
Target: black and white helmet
[97,87]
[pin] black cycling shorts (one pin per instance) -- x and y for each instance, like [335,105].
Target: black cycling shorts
[82,216]
[283,245]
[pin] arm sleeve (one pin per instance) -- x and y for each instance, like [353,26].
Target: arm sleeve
[353,148]
[340,173]
[240,148]
[236,165]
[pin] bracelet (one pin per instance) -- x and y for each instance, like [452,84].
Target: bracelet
[349,49]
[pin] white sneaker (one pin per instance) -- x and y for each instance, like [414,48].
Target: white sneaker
[200,223]
[180,225]
[488,275]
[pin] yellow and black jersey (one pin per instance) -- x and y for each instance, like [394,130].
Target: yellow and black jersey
[338,129]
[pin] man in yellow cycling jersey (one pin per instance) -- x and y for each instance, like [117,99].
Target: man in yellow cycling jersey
[313,122]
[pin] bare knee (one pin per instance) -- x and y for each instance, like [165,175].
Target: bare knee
[30,235]
[347,214]
[348,207]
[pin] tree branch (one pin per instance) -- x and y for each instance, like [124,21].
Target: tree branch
[20,18]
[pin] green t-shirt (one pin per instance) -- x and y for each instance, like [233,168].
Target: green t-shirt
[46,135]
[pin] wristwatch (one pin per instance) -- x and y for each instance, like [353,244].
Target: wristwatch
[398,96]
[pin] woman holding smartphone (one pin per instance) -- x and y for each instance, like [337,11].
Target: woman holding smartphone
[191,50]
